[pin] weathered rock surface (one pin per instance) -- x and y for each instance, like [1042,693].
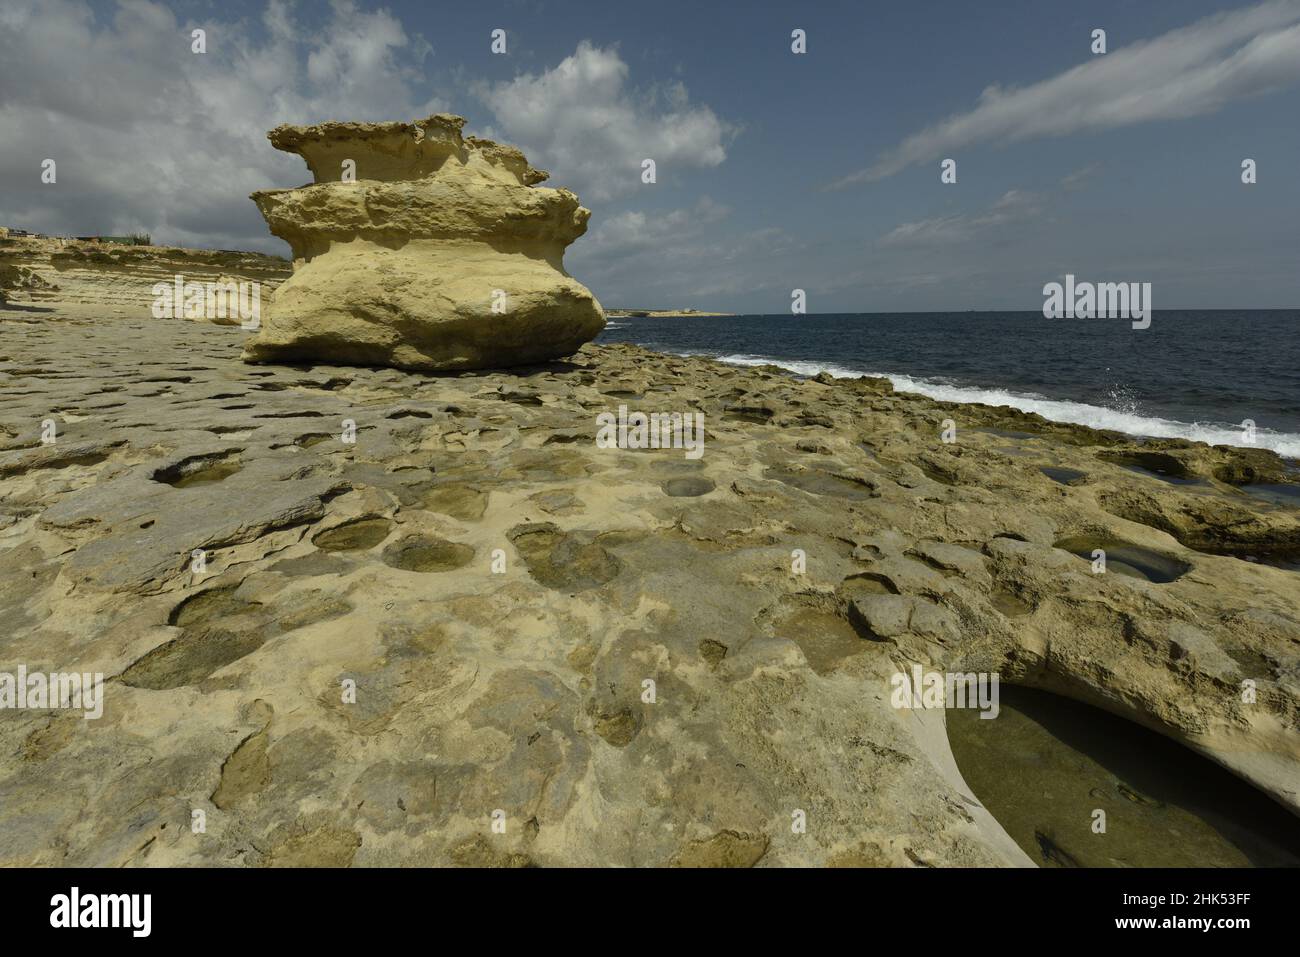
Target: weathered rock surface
[500,589]
[440,255]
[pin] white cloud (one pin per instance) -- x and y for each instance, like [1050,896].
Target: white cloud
[151,136]
[1014,206]
[579,120]
[637,229]
[1186,72]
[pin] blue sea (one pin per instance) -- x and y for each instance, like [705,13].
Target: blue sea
[1191,375]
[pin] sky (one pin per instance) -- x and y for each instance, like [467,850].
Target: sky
[776,170]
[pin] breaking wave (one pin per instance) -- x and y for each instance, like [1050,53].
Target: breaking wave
[1285,444]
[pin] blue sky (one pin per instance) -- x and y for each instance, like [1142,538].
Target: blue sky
[775,171]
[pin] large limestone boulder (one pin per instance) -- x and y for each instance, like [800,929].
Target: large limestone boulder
[441,255]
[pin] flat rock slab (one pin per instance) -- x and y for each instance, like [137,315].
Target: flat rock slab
[423,601]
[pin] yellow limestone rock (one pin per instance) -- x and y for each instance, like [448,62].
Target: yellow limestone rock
[441,254]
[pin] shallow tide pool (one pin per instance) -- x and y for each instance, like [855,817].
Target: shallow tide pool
[1046,764]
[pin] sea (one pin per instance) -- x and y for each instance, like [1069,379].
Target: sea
[1194,374]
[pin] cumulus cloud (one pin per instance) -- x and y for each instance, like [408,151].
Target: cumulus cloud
[1014,206]
[151,136]
[1190,71]
[582,121]
[636,229]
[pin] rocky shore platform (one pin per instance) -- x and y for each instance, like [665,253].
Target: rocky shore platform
[473,637]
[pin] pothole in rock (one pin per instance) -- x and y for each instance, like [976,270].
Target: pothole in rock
[565,561]
[1046,763]
[199,470]
[520,398]
[353,536]
[944,568]
[214,603]
[189,659]
[1062,475]
[935,474]
[1253,664]
[1275,493]
[566,437]
[1170,479]
[546,465]
[464,502]
[219,628]
[1123,558]
[1167,468]
[823,483]
[821,632]
[1010,604]
[331,384]
[618,728]
[687,487]
[426,553]
[865,584]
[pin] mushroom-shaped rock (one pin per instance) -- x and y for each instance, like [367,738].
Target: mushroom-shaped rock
[421,248]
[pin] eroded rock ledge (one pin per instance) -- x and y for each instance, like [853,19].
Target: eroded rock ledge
[522,690]
[40,274]
[441,254]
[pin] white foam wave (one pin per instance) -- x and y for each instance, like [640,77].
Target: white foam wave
[1286,444]
[794,365]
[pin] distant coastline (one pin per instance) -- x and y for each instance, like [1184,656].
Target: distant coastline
[660,313]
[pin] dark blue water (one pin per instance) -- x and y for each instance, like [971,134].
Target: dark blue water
[1192,374]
